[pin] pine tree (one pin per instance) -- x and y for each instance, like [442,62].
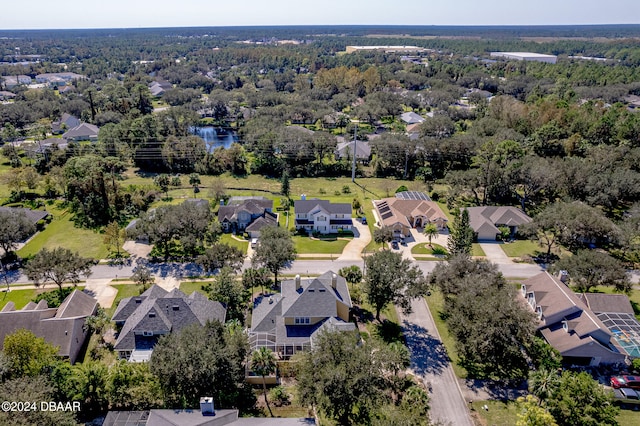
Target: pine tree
[461,235]
[285,189]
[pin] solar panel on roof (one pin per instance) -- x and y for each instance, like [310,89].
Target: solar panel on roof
[387,215]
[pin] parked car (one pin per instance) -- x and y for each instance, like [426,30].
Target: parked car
[632,382]
[629,393]
[254,243]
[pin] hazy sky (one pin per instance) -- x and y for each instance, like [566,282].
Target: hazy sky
[181,13]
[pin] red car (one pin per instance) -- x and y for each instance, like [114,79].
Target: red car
[625,382]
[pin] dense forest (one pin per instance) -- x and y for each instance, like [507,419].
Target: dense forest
[497,132]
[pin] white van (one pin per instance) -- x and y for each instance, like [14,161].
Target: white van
[254,243]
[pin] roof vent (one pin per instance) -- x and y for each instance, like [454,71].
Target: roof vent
[298,283]
[270,300]
[334,281]
[206,406]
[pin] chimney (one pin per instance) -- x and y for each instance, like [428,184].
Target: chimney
[206,406]
[563,276]
[334,281]
[298,285]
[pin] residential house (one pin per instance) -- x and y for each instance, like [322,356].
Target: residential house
[11,81]
[617,314]
[244,212]
[66,122]
[286,322]
[58,78]
[5,96]
[158,88]
[486,220]
[82,132]
[157,312]
[322,216]
[63,327]
[567,323]
[411,118]
[204,416]
[346,149]
[413,131]
[407,210]
[34,216]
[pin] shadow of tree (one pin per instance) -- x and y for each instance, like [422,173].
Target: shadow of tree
[502,390]
[389,331]
[428,354]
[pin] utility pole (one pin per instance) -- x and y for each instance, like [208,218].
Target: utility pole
[355,141]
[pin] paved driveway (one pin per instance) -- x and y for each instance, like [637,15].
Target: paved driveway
[430,362]
[361,237]
[494,252]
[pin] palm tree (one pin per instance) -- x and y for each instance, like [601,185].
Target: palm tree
[263,363]
[543,383]
[430,231]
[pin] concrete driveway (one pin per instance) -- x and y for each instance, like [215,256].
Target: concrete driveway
[417,237]
[431,364]
[361,237]
[494,252]
[101,290]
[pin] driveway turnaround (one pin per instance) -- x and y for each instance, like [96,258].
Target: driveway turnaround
[430,363]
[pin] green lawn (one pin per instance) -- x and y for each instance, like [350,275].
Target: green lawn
[62,232]
[476,250]
[124,291]
[228,239]
[306,245]
[523,248]
[21,297]
[506,414]
[499,413]
[189,287]
[424,248]
[436,306]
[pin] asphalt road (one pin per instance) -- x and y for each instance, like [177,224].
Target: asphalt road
[430,362]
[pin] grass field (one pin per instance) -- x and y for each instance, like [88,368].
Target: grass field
[523,248]
[306,245]
[124,291]
[506,414]
[189,287]
[62,232]
[228,239]
[476,250]
[424,248]
[21,297]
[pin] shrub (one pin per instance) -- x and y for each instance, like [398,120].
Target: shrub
[346,189]
[439,250]
[402,188]
[322,191]
[336,193]
[435,196]
[279,396]
[356,204]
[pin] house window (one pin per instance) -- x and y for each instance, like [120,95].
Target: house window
[176,307]
[152,314]
[302,320]
[147,333]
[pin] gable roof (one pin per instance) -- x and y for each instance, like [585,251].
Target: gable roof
[269,219]
[306,206]
[609,303]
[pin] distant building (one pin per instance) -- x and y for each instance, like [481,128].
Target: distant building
[12,81]
[388,49]
[58,78]
[526,56]
[412,118]
[346,150]
[63,327]
[66,122]
[409,209]
[82,132]
[247,213]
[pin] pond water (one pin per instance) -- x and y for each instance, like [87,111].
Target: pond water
[215,137]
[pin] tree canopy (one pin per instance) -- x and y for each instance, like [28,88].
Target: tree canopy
[275,250]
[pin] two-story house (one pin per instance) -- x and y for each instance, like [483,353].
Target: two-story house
[287,322]
[567,324]
[247,213]
[322,216]
[157,312]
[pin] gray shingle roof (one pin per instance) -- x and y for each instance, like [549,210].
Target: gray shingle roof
[252,206]
[33,215]
[170,312]
[345,149]
[84,130]
[269,219]
[305,206]
[496,216]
